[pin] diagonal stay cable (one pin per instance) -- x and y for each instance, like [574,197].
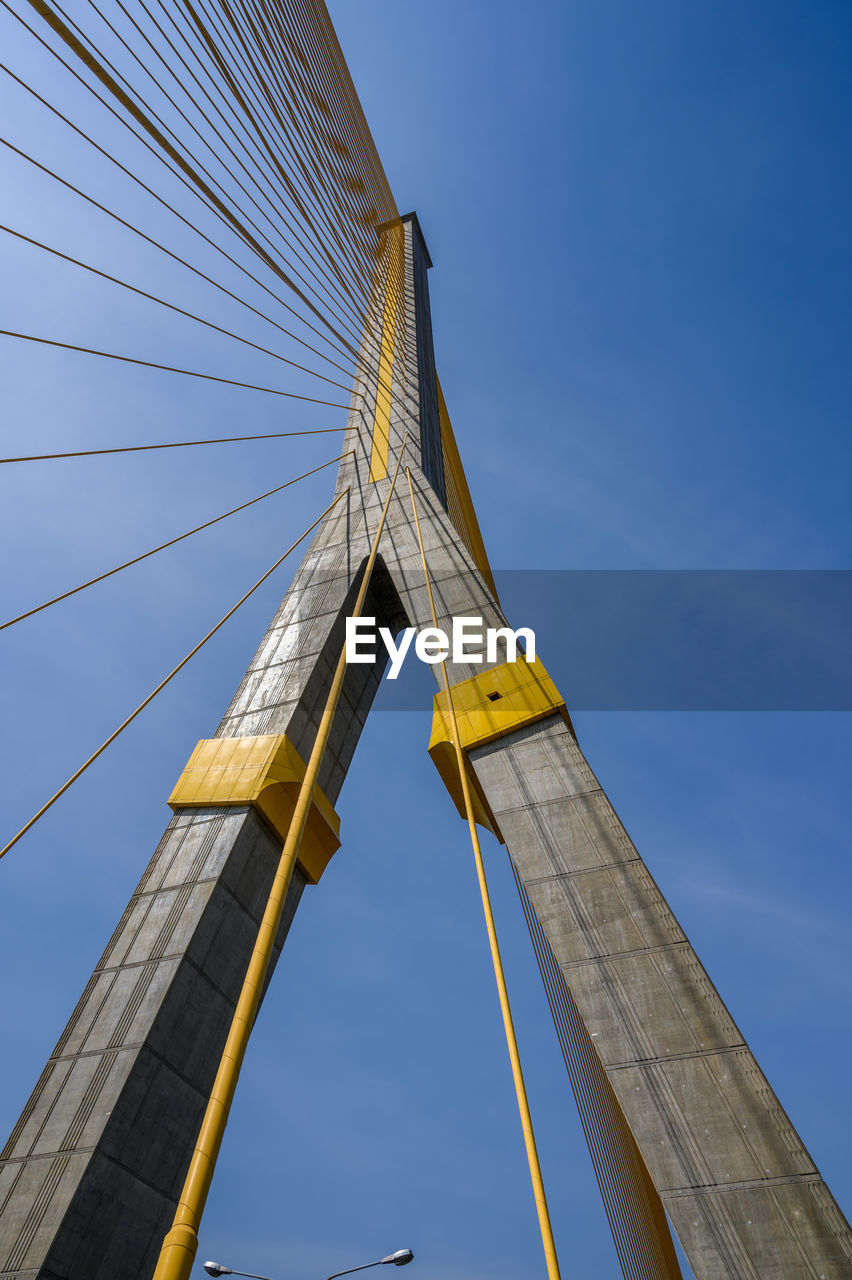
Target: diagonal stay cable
[449,709]
[348,352]
[163,90]
[246,81]
[171,306]
[181,1242]
[328,165]
[152,695]
[330,96]
[168,368]
[319,16]
[159,198]
[163,545]
[179,145]
[192,179]
[69,186]
[23,155]
[173,444]
[50,107]
[292,124]
[300,200]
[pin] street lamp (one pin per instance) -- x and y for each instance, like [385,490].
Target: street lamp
[217,1269]
[399,1259]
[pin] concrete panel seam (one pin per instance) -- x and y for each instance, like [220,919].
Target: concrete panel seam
[749,1184]
[677,1057]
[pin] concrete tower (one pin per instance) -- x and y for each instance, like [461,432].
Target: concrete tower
[92,1171]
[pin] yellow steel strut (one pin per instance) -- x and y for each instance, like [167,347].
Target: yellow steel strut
[181,1242]
[508,1025]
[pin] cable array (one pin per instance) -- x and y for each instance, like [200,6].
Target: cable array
[101,577]
[78,773]
[172,444]
[238,128]
[249,111]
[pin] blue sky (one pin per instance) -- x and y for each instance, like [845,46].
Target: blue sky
[639,222]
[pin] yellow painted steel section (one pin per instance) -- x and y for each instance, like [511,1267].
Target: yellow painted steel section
[459,502]
[181,1242]
[394,242]
[488,706]
[265,772]
[545,1228]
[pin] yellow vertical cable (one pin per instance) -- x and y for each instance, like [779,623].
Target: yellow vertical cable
[508,1025]
[181,1243]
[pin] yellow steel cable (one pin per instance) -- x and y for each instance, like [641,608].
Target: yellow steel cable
[180,158]
[349,349]
[359,364]
[301,208]
[330,206]
[276,176]
[189,156]
[326,95]
[329,39]
[167,368]
[142,705]
[155,116]
[184,171]
[301,318]
[272,203]
[279,85]
[176,444]
[77,262]
[508,1025]
[181,1242]
[274,50]
[156,243]
[315,21]
[322,96]
[106,80]
[255,74]
[172,541]
[345,349]
[45,7]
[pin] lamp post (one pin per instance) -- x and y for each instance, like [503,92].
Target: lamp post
[398,1259]
[217,1269]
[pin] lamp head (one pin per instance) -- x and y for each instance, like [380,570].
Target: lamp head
[400,1258]
[216,1269]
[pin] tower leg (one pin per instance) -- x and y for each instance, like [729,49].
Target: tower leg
[744,1196]
[91,1173]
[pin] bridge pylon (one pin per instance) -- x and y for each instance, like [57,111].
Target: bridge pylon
[683,1126]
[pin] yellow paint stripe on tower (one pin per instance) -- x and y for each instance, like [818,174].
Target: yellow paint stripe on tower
[459,502]
[381,418]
